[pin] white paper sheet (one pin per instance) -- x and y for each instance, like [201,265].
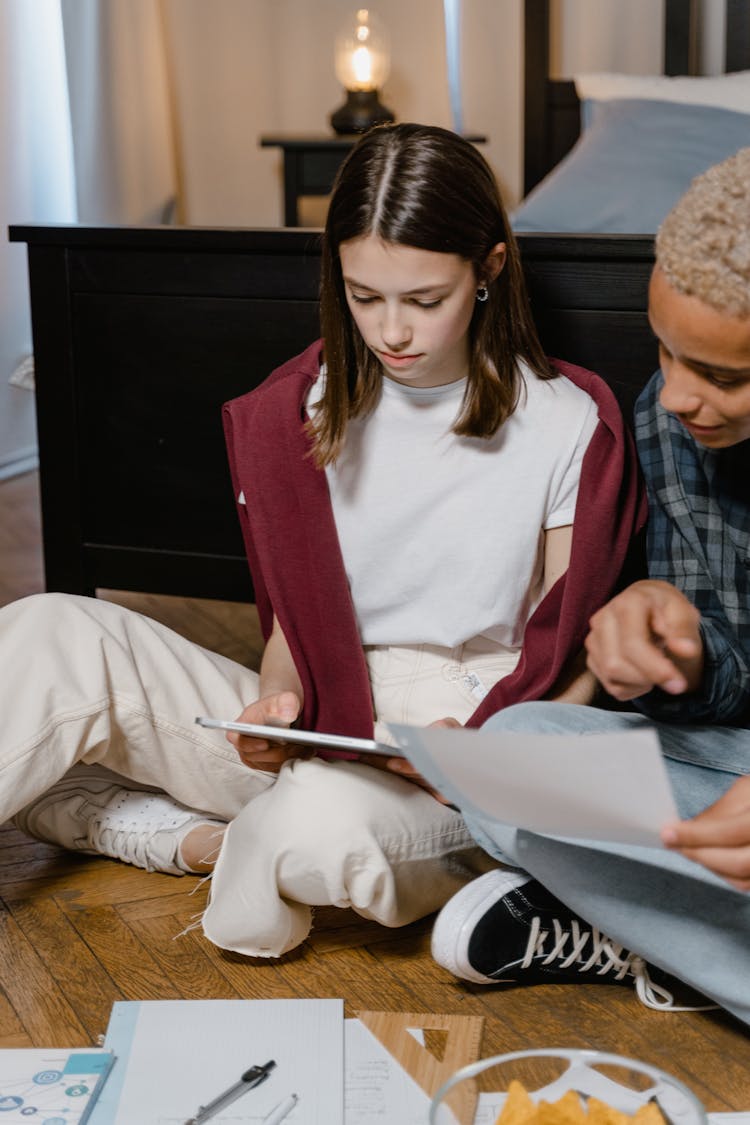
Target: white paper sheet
[610,786]
[378,1090]
[177,1055]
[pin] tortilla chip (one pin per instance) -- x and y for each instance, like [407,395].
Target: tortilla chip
[518,1108]
[599,1113]
[648,1114]
[567,1110]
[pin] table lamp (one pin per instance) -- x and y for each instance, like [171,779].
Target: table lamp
[362,62]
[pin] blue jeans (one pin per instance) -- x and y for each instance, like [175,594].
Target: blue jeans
[675,913]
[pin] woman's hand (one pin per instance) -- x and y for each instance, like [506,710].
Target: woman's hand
[278,709]
[646,637]
[404,768]
[719,837]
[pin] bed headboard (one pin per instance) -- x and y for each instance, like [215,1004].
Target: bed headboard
[551,106]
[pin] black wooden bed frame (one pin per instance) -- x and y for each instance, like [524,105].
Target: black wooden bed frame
[141,334]
[551,106]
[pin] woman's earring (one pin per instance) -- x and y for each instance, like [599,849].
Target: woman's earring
[482,293]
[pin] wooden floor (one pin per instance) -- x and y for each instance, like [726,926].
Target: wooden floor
[79,933]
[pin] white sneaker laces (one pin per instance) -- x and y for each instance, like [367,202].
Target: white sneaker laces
[131,844]
[143,829]
[606,957]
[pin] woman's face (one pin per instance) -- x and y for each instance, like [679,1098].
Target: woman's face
[705,359]
[412,307]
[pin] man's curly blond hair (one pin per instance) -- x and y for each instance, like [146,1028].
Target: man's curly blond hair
[703,245]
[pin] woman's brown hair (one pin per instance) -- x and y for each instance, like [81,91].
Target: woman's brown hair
[422,186]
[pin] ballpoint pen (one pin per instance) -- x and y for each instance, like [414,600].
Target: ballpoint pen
[279,1112]
[249,1080]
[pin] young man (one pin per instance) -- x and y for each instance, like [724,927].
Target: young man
[678,646]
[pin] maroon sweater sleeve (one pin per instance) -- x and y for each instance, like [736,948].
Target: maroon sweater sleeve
[610,509]
[298,572]
[293,548]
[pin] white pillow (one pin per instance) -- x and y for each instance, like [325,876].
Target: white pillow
[726,91]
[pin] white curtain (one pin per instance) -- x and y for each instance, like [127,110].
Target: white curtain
[124,143]
[86,136]
[36,186]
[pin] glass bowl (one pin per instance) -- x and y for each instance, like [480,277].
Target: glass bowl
[475,1094]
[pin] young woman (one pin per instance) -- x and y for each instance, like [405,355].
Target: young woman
[407,490]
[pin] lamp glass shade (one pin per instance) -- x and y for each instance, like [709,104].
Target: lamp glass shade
[362,54]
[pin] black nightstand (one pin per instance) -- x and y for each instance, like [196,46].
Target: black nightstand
[311,163]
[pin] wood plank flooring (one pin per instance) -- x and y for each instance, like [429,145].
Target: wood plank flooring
[77,933]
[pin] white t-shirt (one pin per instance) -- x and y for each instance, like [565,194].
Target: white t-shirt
[442,536]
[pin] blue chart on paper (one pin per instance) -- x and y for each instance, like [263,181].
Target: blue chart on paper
[50,1087]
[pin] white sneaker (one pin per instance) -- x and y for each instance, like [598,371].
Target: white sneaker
[87,812]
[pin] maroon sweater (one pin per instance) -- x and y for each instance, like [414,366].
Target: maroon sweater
[298,572]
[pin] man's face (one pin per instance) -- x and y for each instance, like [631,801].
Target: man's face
[705,359]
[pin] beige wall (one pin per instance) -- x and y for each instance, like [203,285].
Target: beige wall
[627,36]
[592,35]
[247,67]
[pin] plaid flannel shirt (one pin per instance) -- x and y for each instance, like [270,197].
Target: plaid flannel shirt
[699,541]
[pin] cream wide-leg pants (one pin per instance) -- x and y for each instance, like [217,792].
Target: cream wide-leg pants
[86,681]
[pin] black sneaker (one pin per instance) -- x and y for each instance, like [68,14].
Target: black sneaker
[504,927]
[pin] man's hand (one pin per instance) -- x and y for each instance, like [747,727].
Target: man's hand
[277,710]
[719,837]
[648,636]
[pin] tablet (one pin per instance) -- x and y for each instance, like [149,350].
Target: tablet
[311,738]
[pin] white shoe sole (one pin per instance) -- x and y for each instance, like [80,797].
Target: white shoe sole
[457,920]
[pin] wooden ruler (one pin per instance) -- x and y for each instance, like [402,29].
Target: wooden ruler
[460,1038]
